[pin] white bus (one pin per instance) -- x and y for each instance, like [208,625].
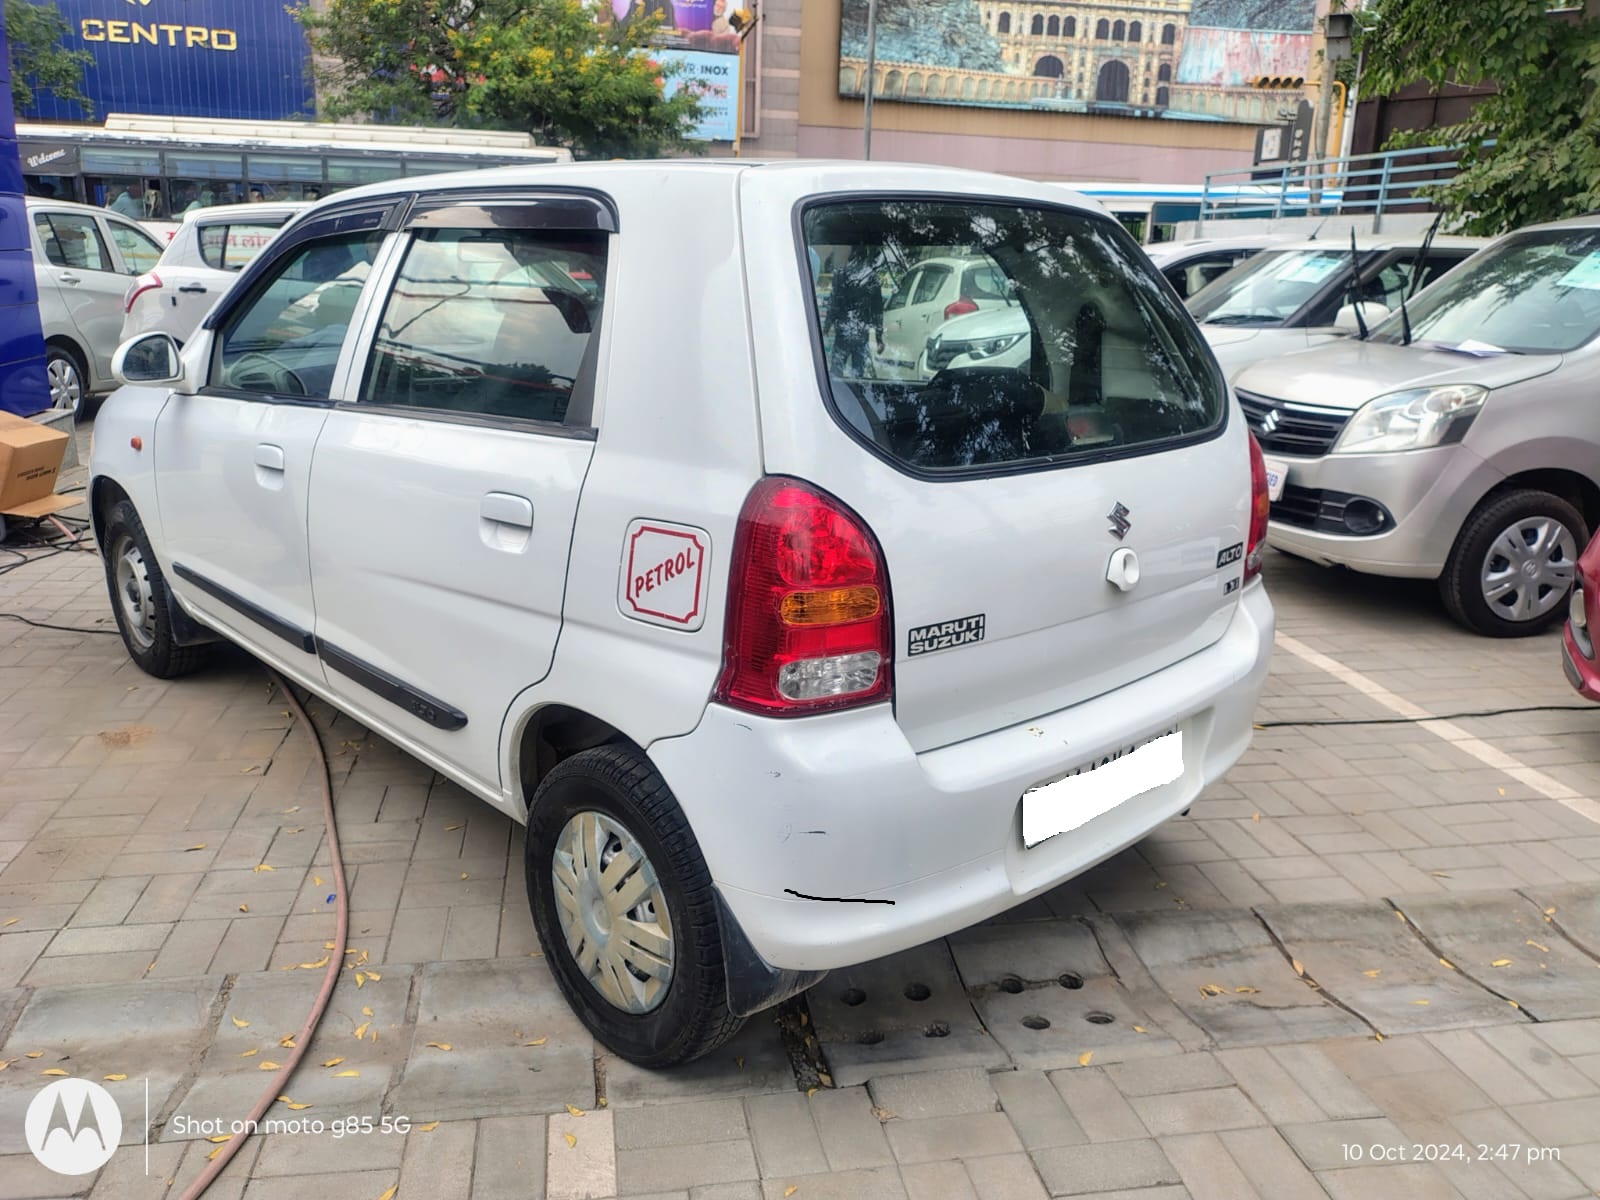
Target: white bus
[154,168]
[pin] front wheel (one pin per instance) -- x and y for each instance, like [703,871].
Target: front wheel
[139,598]
[69,380]
[623,905]
[1512,566]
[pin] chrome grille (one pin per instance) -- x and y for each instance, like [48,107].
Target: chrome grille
[1283,428]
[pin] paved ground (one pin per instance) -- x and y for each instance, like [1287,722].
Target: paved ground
[1366,965]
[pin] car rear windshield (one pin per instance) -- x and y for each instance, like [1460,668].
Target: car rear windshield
[228,246]
[1534,293]
[978,335]
[1270,288]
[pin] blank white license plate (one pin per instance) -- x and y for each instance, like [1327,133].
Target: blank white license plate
[1065,804]
[1277,473]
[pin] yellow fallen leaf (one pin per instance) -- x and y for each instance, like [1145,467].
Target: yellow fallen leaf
[34,1054]
[1420,1002]
[1377,1036]
[1501,962]
[374,976]
[389,1192]
[366,1012]
[287,1041]
[52,1071]
[1445,962]
[196,846]
[463,874]
[317,879]
[294,809]
[791,1189]
[451,828]
[1083,1059]
[1513,1004]
[250,1053]
[239,1023]
[115,1078]
[321,962]
[293,1105]
[264,1065]
[440,1045]
[1140,1029]
[1537,945]
[260,867]
[1502,791]
[220,1137]
[1441,874]
[346,1074]
[1374,973]
[374,1035]
[1298,969]
[360,979]
[1210,989]
[537,1042]
[811,1091]
[297,829]
[10,922]
[329,946]
[535,953]
[571,1140]
[1399,914]
[6,1062]
[244,908]
[334,1062]
[577,1112]
[1246,991]
[1551,911]
[428,1128]
[1256,817]
[214,1153]
[361,1030]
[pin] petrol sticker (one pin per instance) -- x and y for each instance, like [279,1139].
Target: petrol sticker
[1231,555]
[664,574]
[945,635]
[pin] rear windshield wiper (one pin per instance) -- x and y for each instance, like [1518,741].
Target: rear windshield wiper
[1244,319]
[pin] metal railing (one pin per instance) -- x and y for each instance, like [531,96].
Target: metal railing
[1362,184]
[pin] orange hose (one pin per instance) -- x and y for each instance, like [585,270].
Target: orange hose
[302,1041]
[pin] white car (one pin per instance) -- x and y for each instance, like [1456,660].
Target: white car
[785,668]
[1300,294]
[83,258]
[931,292]
[1191,264]
[211,246]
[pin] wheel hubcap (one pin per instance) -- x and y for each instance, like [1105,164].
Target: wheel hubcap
[66,388]
[1529,568]
[612,912]
[134,598]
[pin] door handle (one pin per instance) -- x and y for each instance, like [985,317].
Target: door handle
[67,277]
[505,509]
[270,457]
[194,289]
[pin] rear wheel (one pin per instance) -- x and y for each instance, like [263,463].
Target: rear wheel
[1512,566]
[139,598]
[622,901]
[69,380]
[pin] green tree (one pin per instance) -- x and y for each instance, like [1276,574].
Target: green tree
[548,67]
[38,60]
[1530,152]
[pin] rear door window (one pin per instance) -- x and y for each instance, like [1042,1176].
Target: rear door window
[495,322]
[73,241]
[138,249]
[228,246]
[1082,351]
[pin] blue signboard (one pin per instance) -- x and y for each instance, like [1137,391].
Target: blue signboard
[22,379]
[715,77]
[246,59]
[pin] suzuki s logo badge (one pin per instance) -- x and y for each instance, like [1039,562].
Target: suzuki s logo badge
[1118,516]
[1270,421]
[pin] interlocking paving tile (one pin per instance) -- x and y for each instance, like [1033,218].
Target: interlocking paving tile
[1191,951]
[1577,913]
[1340,944]
[1503,942]
[753,1063]
[886,1031]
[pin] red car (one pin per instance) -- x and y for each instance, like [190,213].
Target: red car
[1578,656]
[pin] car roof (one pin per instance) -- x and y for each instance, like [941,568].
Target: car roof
[237,212]
[815,177]
[1371,242]
[70,206]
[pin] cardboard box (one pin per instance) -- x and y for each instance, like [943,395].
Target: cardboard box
[30,457]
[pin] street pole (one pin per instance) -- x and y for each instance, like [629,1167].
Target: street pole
[872,63]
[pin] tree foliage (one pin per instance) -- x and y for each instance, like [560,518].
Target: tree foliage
[551,68]
[38,60]
[1530,152]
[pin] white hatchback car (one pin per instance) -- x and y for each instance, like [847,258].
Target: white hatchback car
[207,251]
[784,666]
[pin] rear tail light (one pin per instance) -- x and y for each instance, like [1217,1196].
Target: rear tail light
[1260,509]
[808,625]
[142,284]
[959,308]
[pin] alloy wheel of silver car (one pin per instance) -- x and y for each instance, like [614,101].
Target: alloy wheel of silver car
[133,591]
[1528,568]
[66,384]
[612,911]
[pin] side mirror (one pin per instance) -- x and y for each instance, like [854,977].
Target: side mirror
[151,358]
[1372,313]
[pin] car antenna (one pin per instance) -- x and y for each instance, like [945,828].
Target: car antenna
[1355,286]
[1317,230]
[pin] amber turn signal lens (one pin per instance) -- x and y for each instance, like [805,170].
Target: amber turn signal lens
[835,606]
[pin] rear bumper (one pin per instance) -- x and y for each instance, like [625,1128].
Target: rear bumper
[1582,673]
[832,842]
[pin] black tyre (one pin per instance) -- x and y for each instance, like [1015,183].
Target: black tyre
[1511,569]
[623,904]
[139,598]
[69,378]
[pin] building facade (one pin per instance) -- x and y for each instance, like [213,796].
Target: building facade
[1113,53]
